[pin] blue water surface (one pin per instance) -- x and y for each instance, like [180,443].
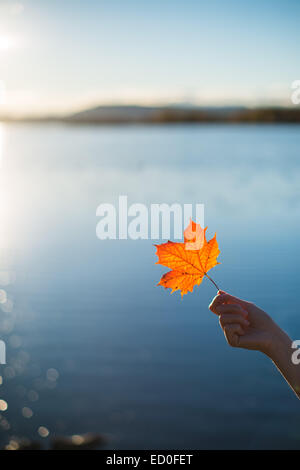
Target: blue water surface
[92,343]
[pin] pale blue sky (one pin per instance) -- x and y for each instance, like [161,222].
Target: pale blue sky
[64,55]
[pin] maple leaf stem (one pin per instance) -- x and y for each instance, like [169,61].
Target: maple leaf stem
[211,280]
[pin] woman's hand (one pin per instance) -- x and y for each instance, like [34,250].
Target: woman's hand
[244,324]
[247,326]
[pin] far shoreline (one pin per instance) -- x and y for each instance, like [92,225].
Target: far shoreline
[167,115]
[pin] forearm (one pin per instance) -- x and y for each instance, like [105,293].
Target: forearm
[280,352]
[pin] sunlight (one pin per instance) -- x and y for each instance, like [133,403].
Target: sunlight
[6,42]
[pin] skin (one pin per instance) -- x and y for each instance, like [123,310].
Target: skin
[247,326]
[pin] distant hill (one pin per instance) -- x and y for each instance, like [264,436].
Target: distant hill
[116,114]
[181,114]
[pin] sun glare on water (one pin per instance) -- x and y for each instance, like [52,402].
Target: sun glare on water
[3,205]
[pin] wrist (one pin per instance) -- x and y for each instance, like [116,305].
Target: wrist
[279,342]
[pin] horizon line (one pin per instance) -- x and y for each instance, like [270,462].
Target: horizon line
[61,114]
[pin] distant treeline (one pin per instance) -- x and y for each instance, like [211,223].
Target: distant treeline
[169,115]
[117,115]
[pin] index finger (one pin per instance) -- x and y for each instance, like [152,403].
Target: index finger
[224,298]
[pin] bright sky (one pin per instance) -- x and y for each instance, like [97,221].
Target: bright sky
[63,55]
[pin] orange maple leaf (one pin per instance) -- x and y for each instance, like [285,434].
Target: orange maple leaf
[188,266]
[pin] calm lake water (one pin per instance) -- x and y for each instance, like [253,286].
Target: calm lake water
[92,343]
